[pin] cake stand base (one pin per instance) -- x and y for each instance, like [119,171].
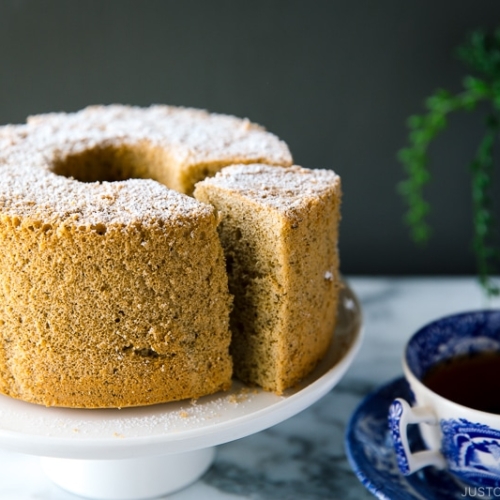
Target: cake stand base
[128,479]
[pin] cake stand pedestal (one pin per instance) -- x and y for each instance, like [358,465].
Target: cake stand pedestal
[129,479]
[146,452]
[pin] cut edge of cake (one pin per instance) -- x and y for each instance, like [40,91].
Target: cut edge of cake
[279,231]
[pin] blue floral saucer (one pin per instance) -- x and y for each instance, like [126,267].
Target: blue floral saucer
[370,453]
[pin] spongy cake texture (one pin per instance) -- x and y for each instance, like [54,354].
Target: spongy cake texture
[113,289]
[114,314]
[279,230]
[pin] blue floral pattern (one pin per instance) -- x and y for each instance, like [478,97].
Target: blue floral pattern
[473,451]
[395,412]
[371,453]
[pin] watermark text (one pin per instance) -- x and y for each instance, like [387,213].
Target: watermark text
[481,492]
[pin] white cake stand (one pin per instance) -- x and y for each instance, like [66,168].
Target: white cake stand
[139,453]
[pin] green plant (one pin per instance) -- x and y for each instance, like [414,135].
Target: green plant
[481,54]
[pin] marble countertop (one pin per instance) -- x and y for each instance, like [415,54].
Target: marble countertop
[302,458]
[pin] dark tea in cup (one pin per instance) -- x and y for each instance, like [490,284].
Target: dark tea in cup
[471,380]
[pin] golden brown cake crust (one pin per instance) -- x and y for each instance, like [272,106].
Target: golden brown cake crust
[115,317]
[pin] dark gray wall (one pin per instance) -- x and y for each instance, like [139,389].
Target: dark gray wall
[335,79]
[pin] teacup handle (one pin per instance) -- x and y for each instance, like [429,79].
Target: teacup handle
[400,415]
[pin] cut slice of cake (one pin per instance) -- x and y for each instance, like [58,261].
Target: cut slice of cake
[279,231]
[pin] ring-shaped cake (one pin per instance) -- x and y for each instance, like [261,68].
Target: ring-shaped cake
[113,281]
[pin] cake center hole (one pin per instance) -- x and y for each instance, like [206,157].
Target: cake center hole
[107,163]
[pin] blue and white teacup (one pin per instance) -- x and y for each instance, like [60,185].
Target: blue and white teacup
[466,441]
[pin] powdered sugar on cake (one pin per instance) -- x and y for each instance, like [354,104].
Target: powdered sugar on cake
[280,188]
[30,188]
[192,135]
